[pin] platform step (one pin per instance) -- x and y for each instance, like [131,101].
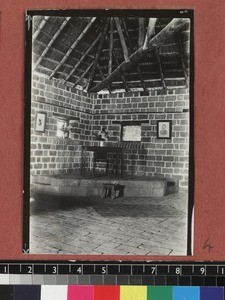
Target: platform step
[93,187]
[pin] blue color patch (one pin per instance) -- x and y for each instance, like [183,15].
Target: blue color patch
[212,293]
[186,293]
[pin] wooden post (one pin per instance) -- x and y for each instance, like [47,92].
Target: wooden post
[102,75]
[141,32]
[122,40]
[150,32]
[182,59]
[98,53]
[122,77]
[160,67]
[111,46]
[137,64]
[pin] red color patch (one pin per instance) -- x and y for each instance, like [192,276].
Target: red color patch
[106,292]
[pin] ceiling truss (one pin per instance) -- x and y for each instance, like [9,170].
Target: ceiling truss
[115,33]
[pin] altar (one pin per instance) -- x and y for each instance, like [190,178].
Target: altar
[102,155]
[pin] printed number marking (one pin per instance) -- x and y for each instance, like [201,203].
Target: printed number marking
[202,270]
[79,270]
[103,270]
[54,270]
[177,271]
[29,270]
[153,270]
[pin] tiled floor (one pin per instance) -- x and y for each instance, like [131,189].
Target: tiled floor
[141,226]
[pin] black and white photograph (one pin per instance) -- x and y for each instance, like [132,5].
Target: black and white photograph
[109,146]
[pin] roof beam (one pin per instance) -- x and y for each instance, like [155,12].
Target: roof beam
[160,38]
[150,32]
[82,76]
[122,39]
[82,58]
[181,50]
[103,77]
[137,64]
[111,46]
[98,53]
[51,42]
[141,78]
[68,53]
[122,76]
[141,32]
[160,67]
[40,27]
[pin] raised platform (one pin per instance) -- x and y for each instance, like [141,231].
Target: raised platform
[75,185]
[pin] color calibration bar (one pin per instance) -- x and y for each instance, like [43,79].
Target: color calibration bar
[112,273]
[45,292]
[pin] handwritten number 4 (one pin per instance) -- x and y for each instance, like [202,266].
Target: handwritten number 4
[207,245]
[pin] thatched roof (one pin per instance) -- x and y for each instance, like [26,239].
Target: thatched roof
[113,53]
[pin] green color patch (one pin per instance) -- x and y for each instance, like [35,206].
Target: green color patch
[160,293]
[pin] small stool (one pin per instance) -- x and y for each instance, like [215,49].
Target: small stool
[113,189]
[109,188]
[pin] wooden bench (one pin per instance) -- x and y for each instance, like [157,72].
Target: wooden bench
[110,189]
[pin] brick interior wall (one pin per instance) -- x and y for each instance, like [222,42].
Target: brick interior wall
[49,154]
[157,157]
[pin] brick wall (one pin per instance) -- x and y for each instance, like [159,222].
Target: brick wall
[158,157]
[49,154]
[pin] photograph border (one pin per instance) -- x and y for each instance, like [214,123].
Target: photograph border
[27,107]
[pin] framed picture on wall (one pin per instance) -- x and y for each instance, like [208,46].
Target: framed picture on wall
[40,122]
[164,129]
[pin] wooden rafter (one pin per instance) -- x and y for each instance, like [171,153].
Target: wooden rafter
[122,76]
[102,75]
[137,64]
[51,42]
[98,53]
[141,78]
[82,76]
[82,58]
[40,27]
[141,32]
[122,39]
[182,59]
[73,46]
[161,38]
[150,32]
[111,46]
[160,67]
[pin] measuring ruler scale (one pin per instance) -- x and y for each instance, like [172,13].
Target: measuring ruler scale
[124,280]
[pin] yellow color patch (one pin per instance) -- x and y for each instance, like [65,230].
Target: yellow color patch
[133,293]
